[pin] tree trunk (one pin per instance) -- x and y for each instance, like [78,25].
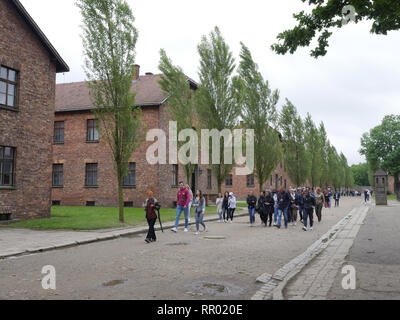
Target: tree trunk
[121,201]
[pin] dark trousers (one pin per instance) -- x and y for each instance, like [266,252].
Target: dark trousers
[336,202]
[230,213]
[270,213]
[308,213]
[318,211]
[225,213]
[151,234]
[301,210]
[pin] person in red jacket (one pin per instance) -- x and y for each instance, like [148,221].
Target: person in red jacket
[151,216]
[183,200]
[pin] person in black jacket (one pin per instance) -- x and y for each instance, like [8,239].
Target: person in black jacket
[283,207]
[151,216]
[252,203]
[269,204]
[309,204]
[225,206]
[261,208]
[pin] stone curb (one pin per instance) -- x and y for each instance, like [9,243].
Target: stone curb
[107,237]
[273,288]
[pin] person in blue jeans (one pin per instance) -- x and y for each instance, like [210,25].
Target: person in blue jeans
[252,202]
[183,200]
[200,208]
[283,207]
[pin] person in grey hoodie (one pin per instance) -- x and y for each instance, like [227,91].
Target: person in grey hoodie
[200,207]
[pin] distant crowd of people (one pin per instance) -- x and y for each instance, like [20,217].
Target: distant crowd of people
[275,207]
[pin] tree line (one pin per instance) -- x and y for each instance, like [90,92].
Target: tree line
[226,99]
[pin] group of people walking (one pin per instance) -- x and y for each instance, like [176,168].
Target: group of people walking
[284,207]
[276,208]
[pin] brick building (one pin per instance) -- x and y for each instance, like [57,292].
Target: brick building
[82,164]
[28,67]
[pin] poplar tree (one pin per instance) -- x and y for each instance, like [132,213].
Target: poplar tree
[259,113]
[216,103]
[314,150]
[181,101]
[109,41]
[295,155]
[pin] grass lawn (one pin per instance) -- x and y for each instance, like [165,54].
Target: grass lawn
[93,218]
[392,197]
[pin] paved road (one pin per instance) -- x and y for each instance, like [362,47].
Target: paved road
[376,258]
[178,266]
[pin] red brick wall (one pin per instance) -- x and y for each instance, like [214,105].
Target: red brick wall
[30,129]
[391,185]
[75,152]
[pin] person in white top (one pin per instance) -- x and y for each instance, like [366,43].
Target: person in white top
[219,202]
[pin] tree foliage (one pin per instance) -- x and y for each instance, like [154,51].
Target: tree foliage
[216,103]
[259,112]
[109,41]
[181,101]
[381,147]
[327,15]
[360,173]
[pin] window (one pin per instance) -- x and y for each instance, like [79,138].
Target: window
[229,181]
[91,175]
[59,132]
[128,204]
[90,203]
[270,182]
[250,180]
[175,175]
[209,179]
[7,157]
[130,179]
[58,175]
[276,181]
[56,203]
[92,132]
[8,87]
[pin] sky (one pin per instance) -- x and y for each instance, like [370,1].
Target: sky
[351,89]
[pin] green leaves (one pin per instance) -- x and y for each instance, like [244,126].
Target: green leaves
[327,15]
[109,41]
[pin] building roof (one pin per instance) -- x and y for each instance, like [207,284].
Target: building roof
[61,66]
[75,96]
[380,172]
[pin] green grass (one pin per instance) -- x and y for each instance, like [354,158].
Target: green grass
[94,218]
[392,197]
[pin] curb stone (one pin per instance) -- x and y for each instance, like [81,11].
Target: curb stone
[274,287]
[106,237]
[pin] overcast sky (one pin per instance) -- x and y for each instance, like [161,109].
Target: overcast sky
[351,89]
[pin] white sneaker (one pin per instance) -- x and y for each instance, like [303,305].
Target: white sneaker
[304,228]
[205,229]
[174,230]
[186,230]
[295,224]
[189,220]
[196,233]
[311,229]
[230,221]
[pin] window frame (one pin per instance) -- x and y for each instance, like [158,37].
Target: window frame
[229,181]
[58,165]
[209,179]
[16,87]
[129,176]
[91,171]
[58,130]
[92,129]
[249,179]
[175,175]
[11,160]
